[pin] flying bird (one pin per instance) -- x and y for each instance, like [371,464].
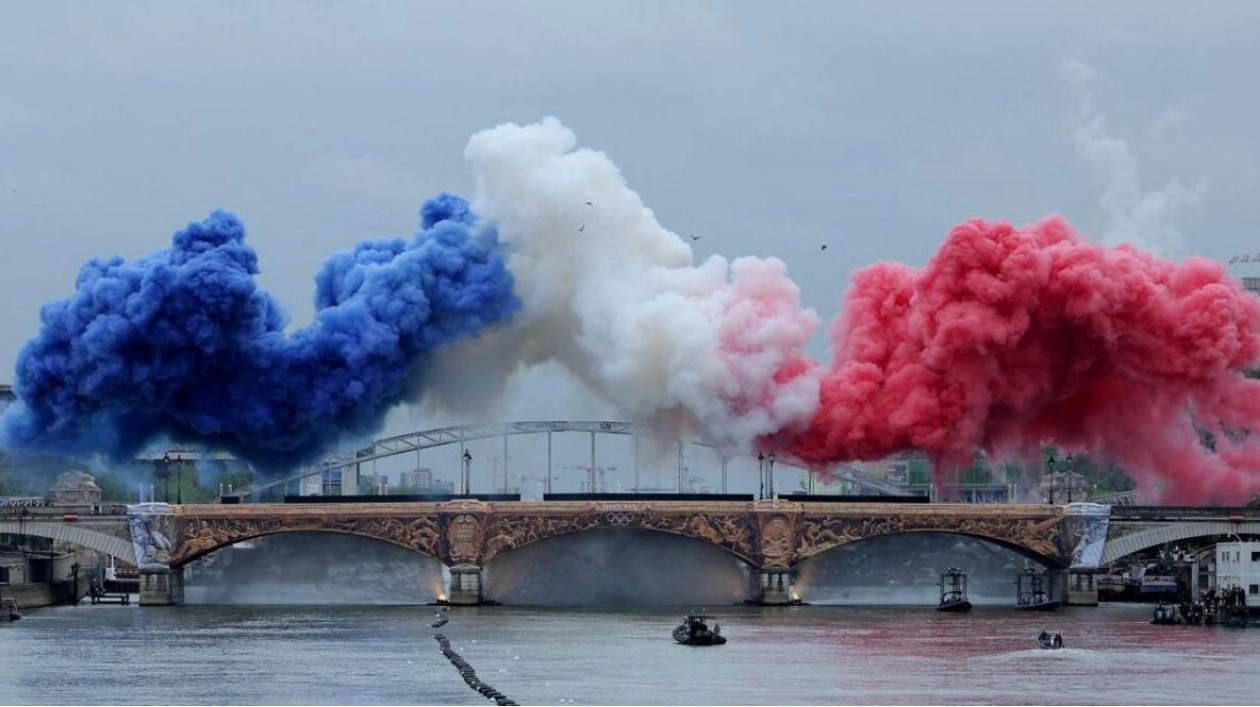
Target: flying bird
[581,228]
[589,204]
[824,247]
[695,238]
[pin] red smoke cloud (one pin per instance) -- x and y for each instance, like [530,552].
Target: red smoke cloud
[1010,338]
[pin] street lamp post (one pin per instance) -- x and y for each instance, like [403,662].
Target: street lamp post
[1050,471]
[770,474]
[163,472]
[761,473]
[179,477]
[1069,477]
[467,474]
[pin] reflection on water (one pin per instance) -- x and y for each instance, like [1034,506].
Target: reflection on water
[801,655]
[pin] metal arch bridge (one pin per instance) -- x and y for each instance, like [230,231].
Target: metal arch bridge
[413,442]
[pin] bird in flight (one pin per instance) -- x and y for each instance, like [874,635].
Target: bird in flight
[824,247]
[581,228]
[695,238]
[589,204]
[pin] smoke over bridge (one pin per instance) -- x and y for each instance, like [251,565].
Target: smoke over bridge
[1009,338]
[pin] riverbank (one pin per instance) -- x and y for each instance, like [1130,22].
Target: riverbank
[33,595]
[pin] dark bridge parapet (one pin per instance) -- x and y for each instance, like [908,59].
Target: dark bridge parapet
[851,498]
[406,498]
[1178,513]
[587,497]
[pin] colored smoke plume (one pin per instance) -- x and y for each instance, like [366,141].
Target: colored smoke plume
[183,344]
[1007,340]
[1010,338]
[617,299]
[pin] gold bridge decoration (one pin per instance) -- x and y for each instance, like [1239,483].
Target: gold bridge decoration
[202,529]
[765,534]
[1036,533]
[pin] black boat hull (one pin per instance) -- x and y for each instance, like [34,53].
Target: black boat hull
[1043,606]
[700,639]
[956,607]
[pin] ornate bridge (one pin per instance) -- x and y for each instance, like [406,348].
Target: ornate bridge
[771,536]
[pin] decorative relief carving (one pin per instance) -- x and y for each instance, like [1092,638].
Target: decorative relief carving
[196,536]
[464,536]
[474,533]
[776,541]
[1042,536]
[732,531]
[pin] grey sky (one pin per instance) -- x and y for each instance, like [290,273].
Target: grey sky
[767,128]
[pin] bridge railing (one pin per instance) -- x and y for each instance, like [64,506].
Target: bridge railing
[1183,512]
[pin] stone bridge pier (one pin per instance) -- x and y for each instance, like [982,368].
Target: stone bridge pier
[771,537]
[153,537]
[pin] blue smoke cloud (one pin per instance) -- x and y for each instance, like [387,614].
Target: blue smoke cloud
[182,343]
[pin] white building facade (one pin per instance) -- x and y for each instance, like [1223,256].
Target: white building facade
[1238,565]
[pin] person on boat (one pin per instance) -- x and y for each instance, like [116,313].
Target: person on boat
[1058,640]
[1045,636]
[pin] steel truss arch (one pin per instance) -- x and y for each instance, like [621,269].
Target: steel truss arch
[413,442]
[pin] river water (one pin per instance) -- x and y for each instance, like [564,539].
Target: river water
[798,655]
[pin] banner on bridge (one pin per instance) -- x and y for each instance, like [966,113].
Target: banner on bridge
[1088,524]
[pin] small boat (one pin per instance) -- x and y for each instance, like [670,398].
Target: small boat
[9,610]
[1165,615]
[694,631]
[1036,601]
[440,618]
[1034,596]
[1050,642]
[954,591]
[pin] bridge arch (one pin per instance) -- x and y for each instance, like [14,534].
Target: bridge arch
[200,538]
[696,529]
[71,533]
[1052,561]
[1126,545]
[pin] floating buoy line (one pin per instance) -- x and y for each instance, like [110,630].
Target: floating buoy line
[467,672]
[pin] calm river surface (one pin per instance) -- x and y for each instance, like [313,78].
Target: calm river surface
[801,655]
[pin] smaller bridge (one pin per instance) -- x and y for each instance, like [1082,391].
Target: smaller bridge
[1135,529]
[114,540]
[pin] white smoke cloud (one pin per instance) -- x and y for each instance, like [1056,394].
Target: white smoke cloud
[617,300]
[1145,219]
